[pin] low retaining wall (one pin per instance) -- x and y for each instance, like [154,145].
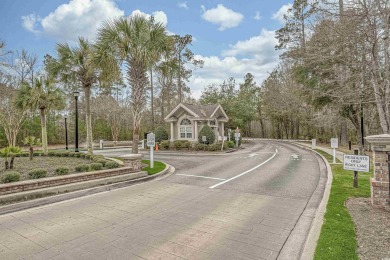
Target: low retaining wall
[21,186]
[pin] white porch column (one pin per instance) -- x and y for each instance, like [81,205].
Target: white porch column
[172,133]
[222,129]
[196,130]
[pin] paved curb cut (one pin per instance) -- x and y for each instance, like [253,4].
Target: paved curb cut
[87,188]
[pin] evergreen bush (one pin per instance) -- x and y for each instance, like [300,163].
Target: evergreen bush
[208,132]
[10,176]
[82,168]
[111,165]
[161,134]
[96,166]
[62,170]
[164,145]
[37,173]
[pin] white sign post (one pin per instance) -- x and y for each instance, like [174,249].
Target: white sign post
[334,143]
[356,163]
[237,138]
[151,142]
[313,144]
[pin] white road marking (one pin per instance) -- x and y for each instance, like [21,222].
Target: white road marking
[201,177]
[241,174]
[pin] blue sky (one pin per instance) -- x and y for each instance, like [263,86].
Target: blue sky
[232,37]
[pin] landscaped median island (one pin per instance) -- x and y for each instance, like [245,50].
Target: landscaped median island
[52,164]
[157,167]
[338,236]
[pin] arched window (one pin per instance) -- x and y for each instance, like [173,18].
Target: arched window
[185,129]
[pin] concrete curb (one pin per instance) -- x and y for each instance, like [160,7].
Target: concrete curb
[315,231]
[75,190]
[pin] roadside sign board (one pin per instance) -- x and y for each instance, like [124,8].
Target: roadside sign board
[204,139]
[237,135]
[359,163]
[313,143]
[334,143]
[151,140]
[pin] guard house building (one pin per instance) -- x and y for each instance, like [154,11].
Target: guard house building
[187,120]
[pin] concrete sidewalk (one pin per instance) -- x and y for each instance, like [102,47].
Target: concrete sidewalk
[339,155]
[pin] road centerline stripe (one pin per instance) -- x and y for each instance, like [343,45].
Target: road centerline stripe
[197,176]
[241,174]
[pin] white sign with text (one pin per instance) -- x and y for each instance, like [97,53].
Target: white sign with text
[359,163]
[334,143]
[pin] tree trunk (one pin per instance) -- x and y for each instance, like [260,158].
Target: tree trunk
[343,136]
[6,164]
[87,90]
[44,131]
[11,164]
[31,152]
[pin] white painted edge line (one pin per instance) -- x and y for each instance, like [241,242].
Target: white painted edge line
[197,176]
[241,174]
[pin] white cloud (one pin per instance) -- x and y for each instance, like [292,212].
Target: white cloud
[159,16]
[182,5]
[255,55]
[74,19]
[261,46]
[279,15]
[29,22]
[222,16]
[257,16]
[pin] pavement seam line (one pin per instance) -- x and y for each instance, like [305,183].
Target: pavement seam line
[241,174]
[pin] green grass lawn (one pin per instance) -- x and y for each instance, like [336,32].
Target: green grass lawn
[158,167]
[338,238]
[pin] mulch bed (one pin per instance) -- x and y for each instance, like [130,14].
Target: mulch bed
[372,228]
[24,164]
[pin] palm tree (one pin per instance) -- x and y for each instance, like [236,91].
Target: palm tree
[31,141]
[75,64]
[10,152]
[43,95]
[138,43]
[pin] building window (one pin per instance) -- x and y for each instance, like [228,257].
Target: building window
[185,129]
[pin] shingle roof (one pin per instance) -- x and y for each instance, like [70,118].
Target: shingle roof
[202,110]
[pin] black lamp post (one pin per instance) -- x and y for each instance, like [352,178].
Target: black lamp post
[66,134]
[76,96]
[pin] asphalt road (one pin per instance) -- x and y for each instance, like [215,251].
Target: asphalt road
[242,205]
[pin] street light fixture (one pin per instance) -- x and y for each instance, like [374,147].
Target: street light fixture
[76,97]
[66,133]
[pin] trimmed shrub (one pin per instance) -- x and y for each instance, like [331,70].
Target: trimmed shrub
[82,155]
[64,154]
[97,158]
[51,153]
[161,134]
[200,147]
[10,176]
[96,166]
[186,144]
[88,156]
[178,144]
[37,173]
[213,147]
[230,144]
[62,170]
[77,155]
[208,132]
[164,145]
[219,144]
[38,153]
[111,165]
[82,168]
[102,161]
[22,155]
